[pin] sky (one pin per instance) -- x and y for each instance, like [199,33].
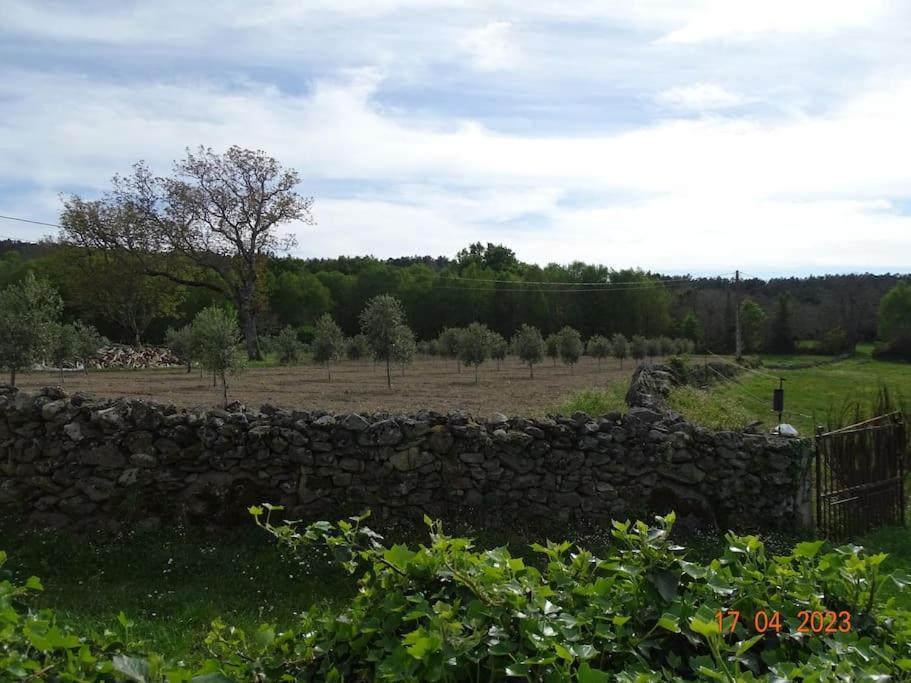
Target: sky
[676,136]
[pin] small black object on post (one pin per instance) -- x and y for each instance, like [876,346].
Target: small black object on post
[778,401]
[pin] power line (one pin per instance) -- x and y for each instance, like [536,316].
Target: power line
[26,220]
[742,388]
[743,367]
[571,284]
[548,291]
[740,384]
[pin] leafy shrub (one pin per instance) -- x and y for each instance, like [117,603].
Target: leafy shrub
[834,342]
[446,611]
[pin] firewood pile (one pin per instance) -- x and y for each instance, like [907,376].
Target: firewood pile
[121,356]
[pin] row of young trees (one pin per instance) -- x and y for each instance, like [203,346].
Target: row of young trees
[31,329]
[387,337]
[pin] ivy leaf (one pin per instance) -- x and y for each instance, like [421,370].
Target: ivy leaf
[134,668]
[669,623]
[704,628]
[587,674]
[808,549]
[563,653]
[34,583]
[666,583]
[745,645]
[399,555]
[518,669]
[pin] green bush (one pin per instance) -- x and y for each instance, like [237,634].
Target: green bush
[445,611]
[835,342]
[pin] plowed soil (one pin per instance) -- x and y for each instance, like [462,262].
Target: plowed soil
[357,386]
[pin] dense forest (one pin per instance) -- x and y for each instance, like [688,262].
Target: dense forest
[481,283]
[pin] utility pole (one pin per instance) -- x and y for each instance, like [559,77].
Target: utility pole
[738,340]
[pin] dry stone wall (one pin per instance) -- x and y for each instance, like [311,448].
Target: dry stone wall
[74,461]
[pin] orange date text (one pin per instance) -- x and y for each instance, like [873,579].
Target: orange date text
[809,621]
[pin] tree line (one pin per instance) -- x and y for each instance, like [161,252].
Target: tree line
[155,250]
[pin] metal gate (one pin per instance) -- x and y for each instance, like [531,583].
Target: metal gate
[860,477]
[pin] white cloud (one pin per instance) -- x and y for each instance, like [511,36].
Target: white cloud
[701,97]
[493,46]
[740,19]
[422,155]
[710,193]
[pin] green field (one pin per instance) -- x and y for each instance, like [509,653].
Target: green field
[812,395]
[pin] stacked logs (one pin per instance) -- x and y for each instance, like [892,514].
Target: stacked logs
[121,356]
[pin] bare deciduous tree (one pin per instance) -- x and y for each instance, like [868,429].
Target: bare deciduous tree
[218,214]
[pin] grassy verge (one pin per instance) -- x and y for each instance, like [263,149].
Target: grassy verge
[172,585]
[706,408]
[594,401]
[812,394]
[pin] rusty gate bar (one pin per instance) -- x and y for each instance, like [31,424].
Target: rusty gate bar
[860,475]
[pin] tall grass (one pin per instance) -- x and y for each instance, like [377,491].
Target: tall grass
[855,409]
[708,408]
[594,401]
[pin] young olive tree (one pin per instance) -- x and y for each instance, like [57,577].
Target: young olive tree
[328,342]
[475,346]
[181,342]
[62,346]
[637,347]
[404,346]
[528,345]
[380,321]
[450,341]
[28,313]
[619,347]
[357,347]
[88,341]
[552,347]
[499,347]
[216,340]
[652,348]
[570,346]
[599,347]
[287,345]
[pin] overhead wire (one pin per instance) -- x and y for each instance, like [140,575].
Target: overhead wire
[742,367]
[28,220]
[605,283]
[757,372]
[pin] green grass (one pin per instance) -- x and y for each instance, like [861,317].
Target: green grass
[704,407]
[594,401]
[172,585]
[812,393]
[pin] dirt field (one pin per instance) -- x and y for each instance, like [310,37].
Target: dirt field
[357,386]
